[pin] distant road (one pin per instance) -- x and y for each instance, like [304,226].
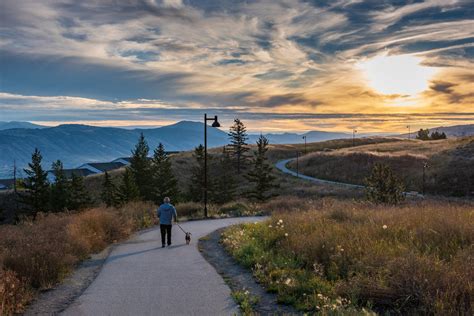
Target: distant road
[141,278]
[281,165]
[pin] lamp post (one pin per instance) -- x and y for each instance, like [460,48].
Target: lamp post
[304,137]
[408,126]
[425,165]
[214,124]
[297,164]
[353,137]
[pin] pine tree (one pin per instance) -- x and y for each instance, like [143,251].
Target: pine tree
[164,182]
[140,168]
[196,188]
[225,185]
[60,189]
[36,186]
[383,186]
[261,175]
[128,190]
[109,191]
[238,143]
[79,197]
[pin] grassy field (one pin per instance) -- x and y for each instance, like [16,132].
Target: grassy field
[450,162]
[341,257]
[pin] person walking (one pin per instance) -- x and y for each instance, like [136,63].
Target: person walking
[166,213]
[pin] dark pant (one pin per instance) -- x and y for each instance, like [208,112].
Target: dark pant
[165,230]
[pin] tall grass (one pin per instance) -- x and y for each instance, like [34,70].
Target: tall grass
[36,255]
[333,256]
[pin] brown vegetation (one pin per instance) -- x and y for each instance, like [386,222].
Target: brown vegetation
[416,258]
[36,255]
[449,171]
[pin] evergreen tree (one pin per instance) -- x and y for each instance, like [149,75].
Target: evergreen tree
[238,143]
[164,182]
[109,191]
[79,197]
[225,185]
[383,186]
[36,186]
[196,188]
[423,134]
[60,188]
[261,175]
[128,190]
[140,168]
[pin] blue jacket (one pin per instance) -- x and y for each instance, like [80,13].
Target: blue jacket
[166,212]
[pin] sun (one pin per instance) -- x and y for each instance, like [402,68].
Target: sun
[397,74]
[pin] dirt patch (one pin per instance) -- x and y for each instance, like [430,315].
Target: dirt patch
[239,278]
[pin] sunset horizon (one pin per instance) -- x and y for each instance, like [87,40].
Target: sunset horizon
[278,65]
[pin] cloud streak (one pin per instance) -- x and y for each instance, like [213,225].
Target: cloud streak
[285,56]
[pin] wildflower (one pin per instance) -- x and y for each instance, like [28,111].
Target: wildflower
[286,234]
[270,226]
[384,226]
[320,295]
[280,221]
[288,281]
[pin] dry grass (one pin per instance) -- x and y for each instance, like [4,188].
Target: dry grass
[450,164]
[411,259]
[37,255]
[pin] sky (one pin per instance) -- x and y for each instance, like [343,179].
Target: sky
[279,65]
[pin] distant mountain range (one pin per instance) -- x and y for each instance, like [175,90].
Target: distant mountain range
[78,144]
[14,124]
[450,131]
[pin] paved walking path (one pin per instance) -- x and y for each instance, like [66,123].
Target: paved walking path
[281,165]
[141,278]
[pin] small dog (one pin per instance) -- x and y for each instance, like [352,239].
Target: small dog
[188,238]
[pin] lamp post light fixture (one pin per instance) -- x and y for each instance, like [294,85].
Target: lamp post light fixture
[215,123]
[354,131]
[304,137]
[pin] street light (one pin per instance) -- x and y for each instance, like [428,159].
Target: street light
[425,166]
[408,126]
[304,137]
[353,137]
[214,124]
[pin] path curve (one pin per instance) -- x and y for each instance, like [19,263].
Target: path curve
[281,165]
[141,278]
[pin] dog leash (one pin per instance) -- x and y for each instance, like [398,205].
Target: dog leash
[181,228]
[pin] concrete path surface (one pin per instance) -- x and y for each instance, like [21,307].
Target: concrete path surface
[281,165]
[141,278]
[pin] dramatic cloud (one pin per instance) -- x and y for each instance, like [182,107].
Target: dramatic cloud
[286,57]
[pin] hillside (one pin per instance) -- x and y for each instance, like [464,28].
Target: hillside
[77,144]
[15,124]
[450,164]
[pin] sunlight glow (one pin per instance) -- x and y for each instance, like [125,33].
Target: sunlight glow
[401,74]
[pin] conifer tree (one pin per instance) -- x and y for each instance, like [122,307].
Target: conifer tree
[383,186]
[423,134]
[140,168]
[79,197]
[128,190]
[60,189]
[225,184]
[261,174]
[196,188]
[164,182]
[109,191]
[36,186]
[238,143]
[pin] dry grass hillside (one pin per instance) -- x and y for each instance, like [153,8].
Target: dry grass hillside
[450,169]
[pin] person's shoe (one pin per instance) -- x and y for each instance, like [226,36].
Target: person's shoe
[169,245]
[163,246]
